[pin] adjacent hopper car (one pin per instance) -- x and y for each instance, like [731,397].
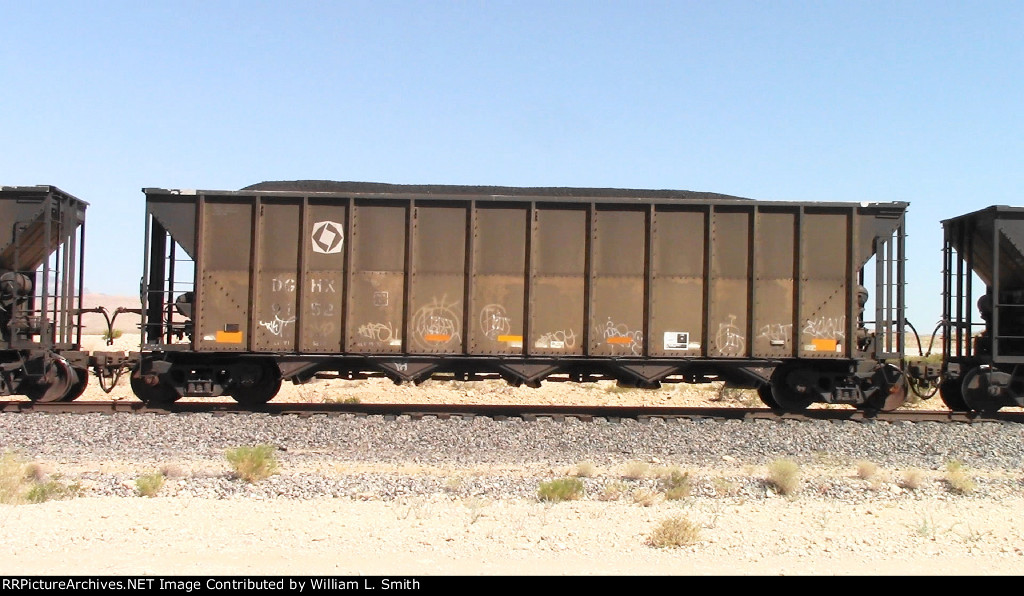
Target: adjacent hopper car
[983,350]
[42,236]
[286,281]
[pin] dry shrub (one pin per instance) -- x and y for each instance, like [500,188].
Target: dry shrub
[563,489]
[784,475]
[725,487]
[635,470]
[22,482]
[149,485]
[614,491]
[646,497]
[585,469]
[676,484]
[13,481]
[866,470]
[454,484]
[958,478]
[674,532]
[40,492]
[172,471]
[253,464]
[912,479]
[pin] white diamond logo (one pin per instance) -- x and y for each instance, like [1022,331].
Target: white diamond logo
[328,237]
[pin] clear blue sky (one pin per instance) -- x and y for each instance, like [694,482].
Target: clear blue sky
[775,100]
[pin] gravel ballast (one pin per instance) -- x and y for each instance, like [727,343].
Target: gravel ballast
[365,494]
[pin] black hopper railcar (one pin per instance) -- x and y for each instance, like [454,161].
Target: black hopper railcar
[291,280]
[983,351]
[42,234]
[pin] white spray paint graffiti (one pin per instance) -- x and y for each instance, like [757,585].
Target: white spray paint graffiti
[377,332]
[437,324]
[776,333]
[284,316]
[278,325]
[826,328]
[559,340]
[494,321]
[620,335]
[728,340]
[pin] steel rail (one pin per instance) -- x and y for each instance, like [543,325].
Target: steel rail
[499,412]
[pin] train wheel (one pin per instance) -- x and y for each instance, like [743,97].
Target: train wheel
[153,395]
[266,382]
[78,388]
[59,382]
[984,387]
[785,381]
[892,389]
[952,394]
[765,393]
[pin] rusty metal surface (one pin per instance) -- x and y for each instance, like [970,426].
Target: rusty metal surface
[637,279]
[40,267]
[973,235]
[27,233]
[984,323]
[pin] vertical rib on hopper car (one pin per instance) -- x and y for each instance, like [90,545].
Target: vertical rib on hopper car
[288,280]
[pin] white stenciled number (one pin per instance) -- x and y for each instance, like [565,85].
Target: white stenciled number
[317,309]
